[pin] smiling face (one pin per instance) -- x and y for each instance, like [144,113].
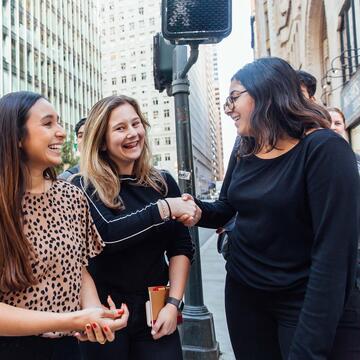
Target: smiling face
[124,139]
[44,137]
[337,123]
[240,107]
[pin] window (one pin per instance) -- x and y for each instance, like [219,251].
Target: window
[122,28]
[155,114]
[141,11]
[167,140]
[141,23]
[123,79]
[166,113]
[123,66]
[167,127]
[113,81]
[133,77]
[157,141]
[114,92]
[349,40]
[152,21]
[156,159]
[167,157]
[133,53]
[143,76]
[155,101]
[132,26]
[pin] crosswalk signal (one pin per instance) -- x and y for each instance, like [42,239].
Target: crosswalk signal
[196,21]
[162,56]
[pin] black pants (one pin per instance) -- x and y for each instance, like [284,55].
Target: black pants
[135,341]
[262,324]
[38,348]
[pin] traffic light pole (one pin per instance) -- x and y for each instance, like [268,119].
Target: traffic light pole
[197,332]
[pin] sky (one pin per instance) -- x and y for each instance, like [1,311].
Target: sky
[233,52]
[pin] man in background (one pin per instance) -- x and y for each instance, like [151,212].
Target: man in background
[79,131]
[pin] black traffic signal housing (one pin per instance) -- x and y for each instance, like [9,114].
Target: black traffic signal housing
[196,21]
[162,62]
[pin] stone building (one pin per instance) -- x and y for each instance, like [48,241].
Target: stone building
[321,37]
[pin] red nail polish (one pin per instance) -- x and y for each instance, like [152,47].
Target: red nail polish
[121,311]
[106,329]
[94,326]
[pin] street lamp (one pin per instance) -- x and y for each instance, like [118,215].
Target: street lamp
[192,22]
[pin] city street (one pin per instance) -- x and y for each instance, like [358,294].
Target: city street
[213,276]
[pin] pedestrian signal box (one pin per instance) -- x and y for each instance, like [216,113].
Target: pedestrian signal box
[196,21]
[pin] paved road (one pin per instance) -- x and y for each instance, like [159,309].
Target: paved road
[213,276]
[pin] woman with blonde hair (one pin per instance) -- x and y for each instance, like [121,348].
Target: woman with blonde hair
[133,206]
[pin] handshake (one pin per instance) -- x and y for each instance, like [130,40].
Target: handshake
[182,209]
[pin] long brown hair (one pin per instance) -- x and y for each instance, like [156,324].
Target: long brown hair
[96,166]
[280,107]
[15,250]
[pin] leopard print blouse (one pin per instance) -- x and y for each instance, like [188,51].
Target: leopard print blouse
[59,226]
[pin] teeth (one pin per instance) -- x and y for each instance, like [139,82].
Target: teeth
[55,147]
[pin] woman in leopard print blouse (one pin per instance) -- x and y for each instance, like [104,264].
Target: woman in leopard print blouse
[46,237]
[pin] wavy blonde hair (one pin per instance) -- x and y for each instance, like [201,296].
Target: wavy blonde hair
[97,168]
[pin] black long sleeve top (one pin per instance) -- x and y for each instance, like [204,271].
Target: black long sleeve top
[136,239]
[297,226]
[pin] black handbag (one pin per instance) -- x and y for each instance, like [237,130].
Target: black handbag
[223,241]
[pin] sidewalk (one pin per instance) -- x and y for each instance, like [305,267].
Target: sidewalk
[213,279]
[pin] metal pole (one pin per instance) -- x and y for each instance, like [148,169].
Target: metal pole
[197,331]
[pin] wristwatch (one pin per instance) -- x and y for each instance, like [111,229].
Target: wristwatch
[179,304]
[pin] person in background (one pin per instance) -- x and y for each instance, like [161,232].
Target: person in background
[290,290]
[307,84]
[79,131]
[339,126]
[132,205]
[47,236]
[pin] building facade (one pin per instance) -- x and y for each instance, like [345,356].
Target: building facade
[127,30]
[52,47]
[321,37]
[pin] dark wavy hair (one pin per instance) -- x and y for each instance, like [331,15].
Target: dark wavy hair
[280,107]
[15,250]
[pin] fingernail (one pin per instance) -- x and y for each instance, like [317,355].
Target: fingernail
[106,329]
[88,327]
[153,332]
[120,311]
[94,326]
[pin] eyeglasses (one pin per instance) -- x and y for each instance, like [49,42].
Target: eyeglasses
[230,100]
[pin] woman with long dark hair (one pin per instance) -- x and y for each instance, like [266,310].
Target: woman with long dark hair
[290,288]
[46,238]
[132,205]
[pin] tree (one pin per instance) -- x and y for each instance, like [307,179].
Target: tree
[68,156]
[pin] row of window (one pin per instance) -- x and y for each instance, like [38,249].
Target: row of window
[157,141]
[123,78]
[157,158]
[121,28]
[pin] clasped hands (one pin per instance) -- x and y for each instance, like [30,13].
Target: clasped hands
[184,209]
[101,323]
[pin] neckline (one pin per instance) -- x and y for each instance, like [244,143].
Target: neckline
[301,141]
[41,193]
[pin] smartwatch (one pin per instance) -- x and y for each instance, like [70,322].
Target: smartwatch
[179,304]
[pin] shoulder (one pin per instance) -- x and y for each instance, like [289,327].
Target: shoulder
[168,177]
[326,140]
[67,189]
[69,172]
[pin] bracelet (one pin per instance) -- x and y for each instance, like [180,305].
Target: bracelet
[167,203]
[163,210]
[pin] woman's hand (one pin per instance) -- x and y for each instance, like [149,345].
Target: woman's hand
[185,218]
[102,329]
[166,322]
[180,207]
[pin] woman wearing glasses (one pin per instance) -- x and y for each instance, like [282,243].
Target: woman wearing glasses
[290,287]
